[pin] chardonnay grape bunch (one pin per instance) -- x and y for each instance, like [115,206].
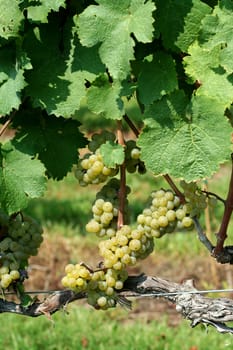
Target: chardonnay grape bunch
[101,285]
[21,237]
[91,168]
[166,214]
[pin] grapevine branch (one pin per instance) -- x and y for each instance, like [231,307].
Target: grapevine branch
[222,234]
[122,190]
[208,193]
[194,307]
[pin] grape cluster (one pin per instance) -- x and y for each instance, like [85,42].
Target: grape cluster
[123,247]
[91,169]
[100,285]
[118,252]
[105,210]
[164,215]
[196,200]
[21,238]
[132,158]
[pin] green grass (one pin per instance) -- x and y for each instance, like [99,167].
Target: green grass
[85,328]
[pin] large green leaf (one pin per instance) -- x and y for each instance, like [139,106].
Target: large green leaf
[185,140]
[54,140]
[180,21]
[11,80]
[217,30]
[112,24]
[203,65]
[57,81]
[157,78]
[209,60]
[21,177]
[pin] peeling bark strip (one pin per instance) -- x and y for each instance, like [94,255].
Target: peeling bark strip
[194,307]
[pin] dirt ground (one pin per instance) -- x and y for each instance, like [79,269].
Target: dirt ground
[47,269]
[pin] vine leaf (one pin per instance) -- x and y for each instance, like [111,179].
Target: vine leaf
[104,99]
[179,32]
[21,177]
[210,57]
[38,12]
[185,140]
[54,140]
[217,29]
[112,153]
[10,19]
[11,80]
[57,81]
[157,78]
[204,65]
[112,24]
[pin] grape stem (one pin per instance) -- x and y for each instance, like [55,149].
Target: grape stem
[202,236]
[175,188]
[131,125]
[166,177]
[122,190]
[5,126]
[214,195]
[222,234]
[7,123]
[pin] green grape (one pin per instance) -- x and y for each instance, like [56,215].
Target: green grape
[187,221]
[132,158]
[6,280]
[135,153]
[102,301]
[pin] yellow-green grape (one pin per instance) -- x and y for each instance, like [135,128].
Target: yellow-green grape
[6,280]
[132,158]
[135,153]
